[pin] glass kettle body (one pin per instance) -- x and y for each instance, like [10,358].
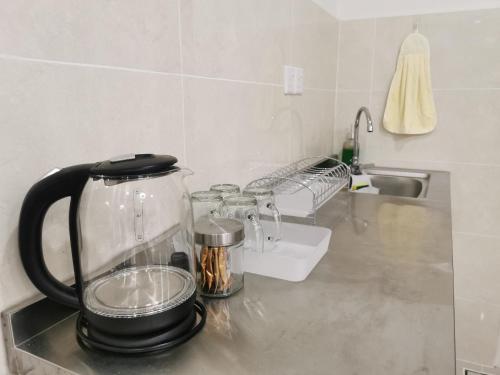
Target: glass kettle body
[132,242]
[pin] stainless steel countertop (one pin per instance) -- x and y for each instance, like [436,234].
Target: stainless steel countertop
[379,302]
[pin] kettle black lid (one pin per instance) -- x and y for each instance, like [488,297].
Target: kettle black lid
[134,166]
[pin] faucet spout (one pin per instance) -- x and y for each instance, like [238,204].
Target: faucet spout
[355,168]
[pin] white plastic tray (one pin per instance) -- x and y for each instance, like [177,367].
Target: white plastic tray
[301,247]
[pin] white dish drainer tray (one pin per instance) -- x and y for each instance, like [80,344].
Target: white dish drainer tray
[294,256]
[302,187]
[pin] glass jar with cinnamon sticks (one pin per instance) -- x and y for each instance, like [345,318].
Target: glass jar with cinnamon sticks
[219,249]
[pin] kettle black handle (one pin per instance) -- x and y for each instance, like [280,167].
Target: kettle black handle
[67,182]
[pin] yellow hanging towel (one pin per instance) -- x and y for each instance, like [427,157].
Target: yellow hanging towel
[410,106]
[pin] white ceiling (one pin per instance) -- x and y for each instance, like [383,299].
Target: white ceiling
[353,9]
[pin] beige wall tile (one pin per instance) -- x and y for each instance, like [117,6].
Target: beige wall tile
[390,34]
[56,116]
[314,44]
[469,118]
[356,48]
[477,330]
[468,125]
[123,33]
[464,48]
[236,131]
[476,260]
[237,39]
[315,113]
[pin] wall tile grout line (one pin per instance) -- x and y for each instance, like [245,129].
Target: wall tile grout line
[459,89]
[85,65]
[183,104]
[476,234]
[292,27]
[353,90]
[467,89]
[414,12]
[316,89]
[336,101]
[372,62]
[440,162]
[146,71]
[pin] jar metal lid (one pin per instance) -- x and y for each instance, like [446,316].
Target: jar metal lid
[212,231]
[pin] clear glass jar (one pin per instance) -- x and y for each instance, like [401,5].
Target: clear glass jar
[267,208]
[219,248]
[245,210]
[226,190]
[205,203]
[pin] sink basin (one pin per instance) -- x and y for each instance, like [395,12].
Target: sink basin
[399,183]
[400,186]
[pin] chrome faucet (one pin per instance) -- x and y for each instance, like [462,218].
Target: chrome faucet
[355,169]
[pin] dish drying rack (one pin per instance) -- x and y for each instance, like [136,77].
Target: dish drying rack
[302,187]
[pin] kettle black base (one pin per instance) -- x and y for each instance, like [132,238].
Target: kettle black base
[140,325]
[90,338]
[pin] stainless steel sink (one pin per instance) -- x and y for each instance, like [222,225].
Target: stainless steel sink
[402,183]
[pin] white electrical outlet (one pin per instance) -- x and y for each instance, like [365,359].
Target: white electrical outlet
[293,80]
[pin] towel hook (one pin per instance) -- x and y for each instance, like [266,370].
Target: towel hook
[415,25]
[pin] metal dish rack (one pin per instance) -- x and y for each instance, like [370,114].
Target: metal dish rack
[301,188]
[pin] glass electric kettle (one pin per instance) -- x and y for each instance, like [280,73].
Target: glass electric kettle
[132,242]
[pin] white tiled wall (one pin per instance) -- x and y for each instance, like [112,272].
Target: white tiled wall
[465,65]
[199,79]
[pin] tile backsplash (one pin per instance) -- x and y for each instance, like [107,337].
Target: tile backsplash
[465,75]
[198,79]
[114,33]
[202,80]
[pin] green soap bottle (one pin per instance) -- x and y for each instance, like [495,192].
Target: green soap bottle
[347,149]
